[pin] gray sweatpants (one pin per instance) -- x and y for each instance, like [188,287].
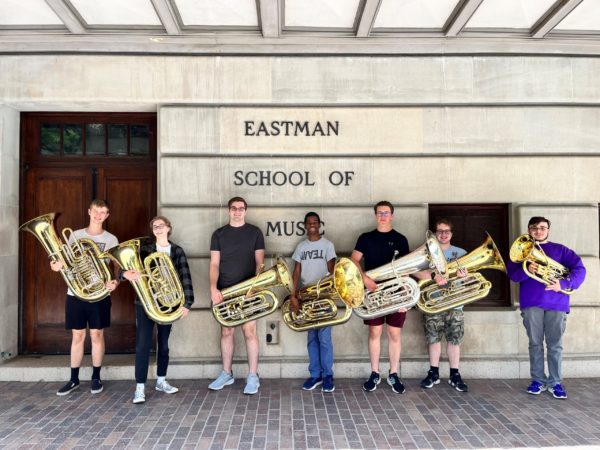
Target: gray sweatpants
[549,325]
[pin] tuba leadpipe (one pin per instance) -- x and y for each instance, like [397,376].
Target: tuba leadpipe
[158,287]
[84,270]
[254,298]
[526,250]
[395,289]
[318,302]
[459,291]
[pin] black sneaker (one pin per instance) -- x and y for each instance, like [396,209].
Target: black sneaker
[96,386]
[371,384]
[395,383]
[431,379]
[457,383]
[67,388]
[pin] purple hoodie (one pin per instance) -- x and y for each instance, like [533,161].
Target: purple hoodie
[534,293]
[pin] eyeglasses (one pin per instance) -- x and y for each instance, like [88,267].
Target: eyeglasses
[234,209]
[384,213]
[539,228]
[443,231]
[158,227]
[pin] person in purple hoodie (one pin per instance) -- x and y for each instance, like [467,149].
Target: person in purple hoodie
[544,309]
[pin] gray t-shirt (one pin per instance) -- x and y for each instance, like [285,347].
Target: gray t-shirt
[236,246]
[313,256]
[104,241]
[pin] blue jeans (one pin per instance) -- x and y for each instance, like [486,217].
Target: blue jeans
[320,352]
[549,326]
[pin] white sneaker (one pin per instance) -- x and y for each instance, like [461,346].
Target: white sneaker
[139,397]
[166,387]
[224,379]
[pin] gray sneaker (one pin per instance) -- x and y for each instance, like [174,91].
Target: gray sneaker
[252,384]
[166,387]
[139,396]
[224,379]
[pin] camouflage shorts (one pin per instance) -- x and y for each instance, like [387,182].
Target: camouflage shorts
[450,324]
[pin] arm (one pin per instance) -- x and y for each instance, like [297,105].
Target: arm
[294,302]
[213,276]
[356,256]
[183,270]
[577,270]
[259,259]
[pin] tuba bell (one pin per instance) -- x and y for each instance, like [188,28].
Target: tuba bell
[395,289]
[526,250]
[460,291]
[159,287]
[84,270]
[318,302]
[254,298]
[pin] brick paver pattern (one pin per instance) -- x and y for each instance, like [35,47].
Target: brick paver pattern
[495,413]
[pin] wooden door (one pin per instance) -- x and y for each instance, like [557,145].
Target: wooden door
[66,185]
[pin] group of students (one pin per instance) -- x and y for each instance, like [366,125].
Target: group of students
[237,252]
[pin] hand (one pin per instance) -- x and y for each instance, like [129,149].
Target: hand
[462,272]
[369,283]
[294,304]
[111,285]
[440,280]
[131,275]
[56,265]
[185,312]
[532,267]
[555,286]
[216,296]
[403,310]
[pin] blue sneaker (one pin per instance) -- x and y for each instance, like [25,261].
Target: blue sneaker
[252,384]
[536,388]
[328,385]
[312,383]
[224,379]
[557,391]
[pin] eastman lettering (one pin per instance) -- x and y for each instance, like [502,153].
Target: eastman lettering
[291,128]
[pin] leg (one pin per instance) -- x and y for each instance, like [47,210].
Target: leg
[162,353]
[455,332]
[453,355]
[555,323]
[227,345]
[533,319]
[314,358]
[97,347]
[394,347]
[435,352]
[143,341]
[77,342]
[326,350]
[252,346]
[375,346]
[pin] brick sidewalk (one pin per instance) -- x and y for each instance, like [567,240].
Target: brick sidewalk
[493,414]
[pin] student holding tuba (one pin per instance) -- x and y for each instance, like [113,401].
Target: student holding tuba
[546,273]
[81,313]
[147,317]
[237,252]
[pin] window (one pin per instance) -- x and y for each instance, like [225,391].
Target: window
[470,224]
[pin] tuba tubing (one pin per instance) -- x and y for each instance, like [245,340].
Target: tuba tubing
[159,287]
[84,269]
[254,298]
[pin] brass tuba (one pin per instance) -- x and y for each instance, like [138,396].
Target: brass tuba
[395,289]
[318,306]
[84,270]
[159,287]
[254,298]
[526,250]
[460,291]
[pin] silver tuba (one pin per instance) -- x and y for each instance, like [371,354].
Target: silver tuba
[254,298]
[318,302]
[395,289]
[158,288]
[84,270]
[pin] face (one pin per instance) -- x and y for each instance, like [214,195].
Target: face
[98,214]
[237,212]
[443,233]
[312,225]
[384,215]
[160,229]
[539,231]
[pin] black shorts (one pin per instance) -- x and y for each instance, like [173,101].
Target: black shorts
[79,314]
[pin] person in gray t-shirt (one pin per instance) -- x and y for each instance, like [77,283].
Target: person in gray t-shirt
[315,258]
[237,252]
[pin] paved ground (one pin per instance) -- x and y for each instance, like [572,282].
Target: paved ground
[494,414]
